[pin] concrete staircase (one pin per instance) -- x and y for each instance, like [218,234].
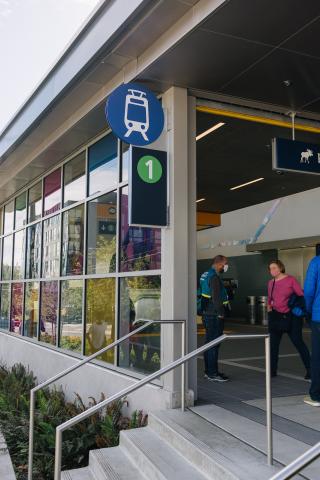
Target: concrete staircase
[176,446]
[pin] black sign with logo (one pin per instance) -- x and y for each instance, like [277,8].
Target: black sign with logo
[294,156]
[148,187]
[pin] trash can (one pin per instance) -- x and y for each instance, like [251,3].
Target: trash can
[252,309]
[263,309]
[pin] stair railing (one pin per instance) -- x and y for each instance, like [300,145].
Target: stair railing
[298,464]
[177,363]
[58,376]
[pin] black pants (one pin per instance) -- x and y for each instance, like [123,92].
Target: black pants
[214,329]
[295,334]
[315,362]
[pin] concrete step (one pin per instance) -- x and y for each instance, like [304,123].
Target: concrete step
[253,434]
[217,454]
[77,474]
[113,464]
[156,458]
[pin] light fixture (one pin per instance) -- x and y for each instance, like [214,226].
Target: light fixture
[200,200]
[248,183]
[212,129]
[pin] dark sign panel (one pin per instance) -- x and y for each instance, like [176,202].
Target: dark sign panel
[148,188]
[294,156]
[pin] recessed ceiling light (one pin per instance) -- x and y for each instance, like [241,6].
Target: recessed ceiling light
[210,130]
[201,200]
[247,183]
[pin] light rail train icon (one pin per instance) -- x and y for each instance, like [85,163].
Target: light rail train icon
[136,115]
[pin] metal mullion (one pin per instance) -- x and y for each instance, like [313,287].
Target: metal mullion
[84,324]
[117,280]
[84,269]
[39,309]
[58,320]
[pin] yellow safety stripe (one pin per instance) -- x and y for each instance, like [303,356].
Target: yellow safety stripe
[257,119]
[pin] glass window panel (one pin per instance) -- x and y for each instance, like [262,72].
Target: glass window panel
[18,256]
[35,202]
[21,210]
[103,165]
[51,247]
[31,310]
[8,217]
[49,312]
[140,299]
[33,251]
[100,316]
[52,192]
[102,234]
[74,180]
[16,308]
[5,297]
[140,248]
[125,162]
[7,250]
[71,329]
[72,241]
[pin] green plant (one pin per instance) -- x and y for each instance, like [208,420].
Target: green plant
[52,408]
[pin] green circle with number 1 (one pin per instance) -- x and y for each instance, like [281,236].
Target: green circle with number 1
[149,169]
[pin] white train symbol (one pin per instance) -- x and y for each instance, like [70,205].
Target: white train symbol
[136,115]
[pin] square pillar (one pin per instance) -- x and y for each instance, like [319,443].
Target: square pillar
[179,239]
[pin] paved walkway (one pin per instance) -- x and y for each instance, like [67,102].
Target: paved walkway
[243,361]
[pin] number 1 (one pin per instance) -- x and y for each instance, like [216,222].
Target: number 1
[149,164]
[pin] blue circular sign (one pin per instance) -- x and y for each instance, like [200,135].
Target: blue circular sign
[135,114]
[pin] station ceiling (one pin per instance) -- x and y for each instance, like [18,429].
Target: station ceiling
[251,49]
[239,152]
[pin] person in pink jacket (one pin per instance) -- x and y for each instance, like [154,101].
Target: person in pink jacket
[281,319]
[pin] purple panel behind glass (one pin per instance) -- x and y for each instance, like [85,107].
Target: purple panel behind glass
[140,247]
[52,192]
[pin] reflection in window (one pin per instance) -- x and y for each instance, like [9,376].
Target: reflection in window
[100,316]
[1,220]
[71,315]
[101,237]
[140,299]
[31,309]
[52,192]
[21,210]
[5,294]
[16,308]
[8,217]
[7,250]
[18,255]
[72,241]
[35,202]
[103,169]
[51,247]
[74,180]
[49,312]
[140,247]
[33,251]
[125,161]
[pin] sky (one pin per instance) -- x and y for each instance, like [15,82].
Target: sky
[33,34]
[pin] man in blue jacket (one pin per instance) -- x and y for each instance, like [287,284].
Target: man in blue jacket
[312,297]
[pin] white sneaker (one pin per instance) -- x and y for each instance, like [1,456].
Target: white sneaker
[312,403]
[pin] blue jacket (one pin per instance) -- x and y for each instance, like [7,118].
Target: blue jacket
[312,289]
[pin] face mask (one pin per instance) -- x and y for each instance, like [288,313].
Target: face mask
[225,268]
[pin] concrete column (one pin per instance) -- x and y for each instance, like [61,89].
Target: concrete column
[178,269]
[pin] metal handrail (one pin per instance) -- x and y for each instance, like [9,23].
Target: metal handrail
[147,323]
[298,464]
[181,361]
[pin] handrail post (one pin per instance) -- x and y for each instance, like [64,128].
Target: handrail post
[269,401]
[183,366]
[58,456]
[31,434]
